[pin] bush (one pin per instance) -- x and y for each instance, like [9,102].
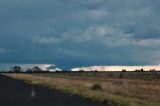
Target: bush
[96,87]
[124,70]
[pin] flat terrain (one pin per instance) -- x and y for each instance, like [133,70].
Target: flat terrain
[111,91]
[14,92]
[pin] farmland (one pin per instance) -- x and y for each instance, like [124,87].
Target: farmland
[112,88]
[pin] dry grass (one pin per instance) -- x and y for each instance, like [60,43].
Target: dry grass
[116,92]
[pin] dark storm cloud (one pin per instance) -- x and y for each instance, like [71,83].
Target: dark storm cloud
[80,32]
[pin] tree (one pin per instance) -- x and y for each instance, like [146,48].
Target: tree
[81,70]
[16,69]
[36,69]
[28,71]
[140,70]
[152,70]
[124,70]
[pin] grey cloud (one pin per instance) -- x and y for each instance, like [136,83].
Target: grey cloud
[80,32]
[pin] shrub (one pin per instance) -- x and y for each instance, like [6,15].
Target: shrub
[96,87]
[124,70]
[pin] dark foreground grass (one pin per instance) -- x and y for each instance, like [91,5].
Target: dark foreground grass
[115,92]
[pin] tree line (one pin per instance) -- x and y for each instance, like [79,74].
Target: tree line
[18,69]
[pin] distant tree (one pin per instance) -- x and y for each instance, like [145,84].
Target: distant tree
[47,71]
[124,70]
[36,69]
[141,70]
[96,70]
[81,70]
[152,70]
[136,70]
[16,69]
[2,71]
[28,71]
[10,71]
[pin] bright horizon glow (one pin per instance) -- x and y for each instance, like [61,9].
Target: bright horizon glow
[117,68]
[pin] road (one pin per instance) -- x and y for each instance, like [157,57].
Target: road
[18,93]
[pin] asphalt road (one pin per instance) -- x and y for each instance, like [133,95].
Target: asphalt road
[18,93]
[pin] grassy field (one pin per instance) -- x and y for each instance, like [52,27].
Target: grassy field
[115,92]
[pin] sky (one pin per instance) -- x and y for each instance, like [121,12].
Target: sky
[73,33]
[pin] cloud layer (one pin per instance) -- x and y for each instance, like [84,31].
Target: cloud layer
[80,32]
